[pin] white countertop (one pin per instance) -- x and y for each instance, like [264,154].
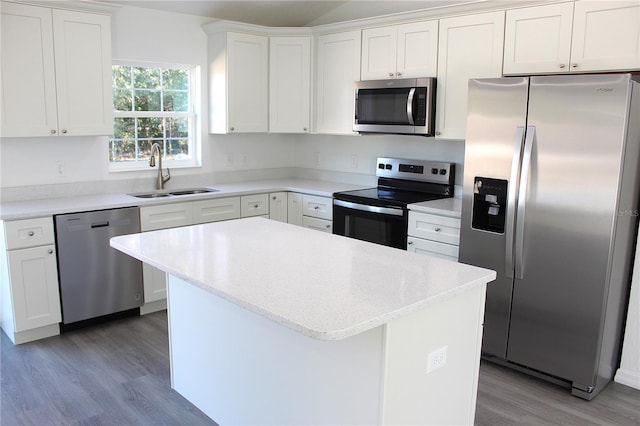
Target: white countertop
[451,207]
[50,206]
[325,286]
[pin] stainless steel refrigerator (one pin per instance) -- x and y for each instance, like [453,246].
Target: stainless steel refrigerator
[550,202]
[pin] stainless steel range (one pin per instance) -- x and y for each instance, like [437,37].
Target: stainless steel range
[380,215]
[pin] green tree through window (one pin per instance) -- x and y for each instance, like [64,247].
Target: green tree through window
[152,105]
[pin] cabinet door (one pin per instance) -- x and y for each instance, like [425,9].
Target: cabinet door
[254,205]
[83,73]
[294,208]
[34,287]
[248,82]
[417,50]
[289,84]
[338,68]
[321,225]
[606,36]
[278,205]
[216,209]
[379,46]
[28,72]
[154,282]
[315,206]
[434,227]
[538,39]
[432,248]
[469,47]
[165,216]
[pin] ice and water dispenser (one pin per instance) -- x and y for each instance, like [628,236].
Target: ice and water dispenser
[489,204]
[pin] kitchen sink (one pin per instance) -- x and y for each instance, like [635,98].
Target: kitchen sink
[170,193]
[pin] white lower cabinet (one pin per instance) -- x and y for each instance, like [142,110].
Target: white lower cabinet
[310,211]
[317,213]
[294,208]
[254,205]
[170,216]
[29,280]
[278,206]
[216,209]
[322,225]
[433,235]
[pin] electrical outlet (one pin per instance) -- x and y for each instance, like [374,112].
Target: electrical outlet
[316,158]
[61,170]
[437,359]
[244,159]
[354,161]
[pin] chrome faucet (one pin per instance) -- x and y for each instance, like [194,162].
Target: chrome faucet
[161,180]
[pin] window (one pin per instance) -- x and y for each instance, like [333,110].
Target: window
[153,105]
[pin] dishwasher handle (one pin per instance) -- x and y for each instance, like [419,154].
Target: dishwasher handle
[100,224]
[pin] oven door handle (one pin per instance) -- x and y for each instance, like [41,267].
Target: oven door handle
[393,211]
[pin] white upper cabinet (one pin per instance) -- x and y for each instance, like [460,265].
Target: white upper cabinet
[238,82]
[563,38]
[56,72]
[400,51]
[538,39]
[338,67]
[469,47]
[289,84]
[606,36]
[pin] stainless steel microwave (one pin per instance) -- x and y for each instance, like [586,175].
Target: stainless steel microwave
[403,106]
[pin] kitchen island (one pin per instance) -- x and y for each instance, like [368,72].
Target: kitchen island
[271,323]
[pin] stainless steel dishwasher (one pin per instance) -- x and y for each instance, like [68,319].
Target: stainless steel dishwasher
[95,279]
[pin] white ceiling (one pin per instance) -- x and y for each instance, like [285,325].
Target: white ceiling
[289,13]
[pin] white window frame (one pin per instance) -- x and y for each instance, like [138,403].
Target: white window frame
[194,96]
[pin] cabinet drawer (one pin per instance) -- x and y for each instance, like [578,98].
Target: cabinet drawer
[322,225]
[254,205]
[29,232]
[432,248]
[434,227]
[165,216]
[215,210]
[320,207]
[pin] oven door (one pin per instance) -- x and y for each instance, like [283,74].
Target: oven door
[381,225]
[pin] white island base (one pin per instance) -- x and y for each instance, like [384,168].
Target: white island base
[241,368]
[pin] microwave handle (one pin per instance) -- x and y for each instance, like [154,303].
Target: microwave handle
[412,92]
[355,110]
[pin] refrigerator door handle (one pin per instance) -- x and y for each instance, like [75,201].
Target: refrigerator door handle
[511,202]
[522,200]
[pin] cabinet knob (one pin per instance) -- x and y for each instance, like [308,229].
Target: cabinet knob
[438,229]
[328,226]
[437,133]
[304,129]
[53,131]
[232,128]
[316,207]
[64,131]
[31,233]
[574,65]
[399,74]
[409,243]
[274,197]
[255,206]
[390,74]
[50,251]
[561,66]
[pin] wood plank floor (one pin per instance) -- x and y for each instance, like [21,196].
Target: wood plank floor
[118,373]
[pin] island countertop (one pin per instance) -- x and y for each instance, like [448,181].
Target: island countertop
[325,286]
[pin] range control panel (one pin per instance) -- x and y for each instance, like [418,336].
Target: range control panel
[423,170]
